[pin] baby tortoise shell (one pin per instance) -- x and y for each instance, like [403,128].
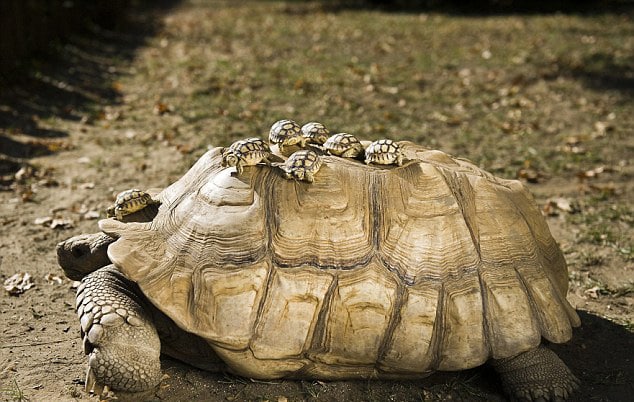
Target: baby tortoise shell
[344,145]
[247,152]
[129,202]
[384,152]
[302,165]
[315,133]
[286,133]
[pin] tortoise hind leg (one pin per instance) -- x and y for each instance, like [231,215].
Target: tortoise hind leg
[118,334]
[536,375]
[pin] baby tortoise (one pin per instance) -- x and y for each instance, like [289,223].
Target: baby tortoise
[302,165]
[384,152]
[129,202]
[247,152]
[344,145]
[315,133]
[286,133]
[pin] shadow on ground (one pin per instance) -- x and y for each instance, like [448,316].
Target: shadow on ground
[601,354]
[71,80]
[603,71]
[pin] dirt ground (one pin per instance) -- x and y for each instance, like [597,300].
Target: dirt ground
[543,98]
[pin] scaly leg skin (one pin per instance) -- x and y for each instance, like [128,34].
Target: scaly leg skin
[118,334]
[536,375]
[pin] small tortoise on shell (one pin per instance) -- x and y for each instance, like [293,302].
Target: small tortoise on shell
[365,273]
[286,133]
[315,133]
[344,145]
[247,152]
[129,202]
[384,152]
[302,165]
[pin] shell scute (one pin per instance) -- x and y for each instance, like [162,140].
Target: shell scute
[360,313]
[423,231]
[295,299]
[463,343]
[326,223]
[414,342]
[511,322]
[228,294]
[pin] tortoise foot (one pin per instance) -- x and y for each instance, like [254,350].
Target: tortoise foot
[119,338]
[536,375]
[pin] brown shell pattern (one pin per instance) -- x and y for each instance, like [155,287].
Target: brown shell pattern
[383,152]
[249,145]
[434,265]
[344,144]
[315,132]
[250,152]
[284,130]
[302,165]
[128,202]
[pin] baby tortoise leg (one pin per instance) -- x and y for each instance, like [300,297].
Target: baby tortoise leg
[119,337]
[536,375]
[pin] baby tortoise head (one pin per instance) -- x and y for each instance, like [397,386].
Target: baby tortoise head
[302,165]
[315,133]
[129,202]
[247,152]
[344,145]
[286,133]
[384,152]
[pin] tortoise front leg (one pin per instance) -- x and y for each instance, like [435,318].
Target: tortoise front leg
[536,375]
[118,334]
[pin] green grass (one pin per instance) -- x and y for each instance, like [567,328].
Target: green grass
[451,82]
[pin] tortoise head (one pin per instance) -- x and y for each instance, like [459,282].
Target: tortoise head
[83,254]
[229,159]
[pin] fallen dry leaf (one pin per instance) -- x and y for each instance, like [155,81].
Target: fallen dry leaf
[44,221]
[92,214]
[530,175]
[18,283]
[87,186]
[62,223]
[606,189]
[554,205]
[161,108]
[595,292]
[53,279]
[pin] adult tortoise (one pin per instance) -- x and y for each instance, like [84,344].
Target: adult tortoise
[371,271]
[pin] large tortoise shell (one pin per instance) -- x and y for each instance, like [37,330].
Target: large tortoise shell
[367,272]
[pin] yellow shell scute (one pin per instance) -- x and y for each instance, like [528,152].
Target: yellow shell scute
[295,298]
